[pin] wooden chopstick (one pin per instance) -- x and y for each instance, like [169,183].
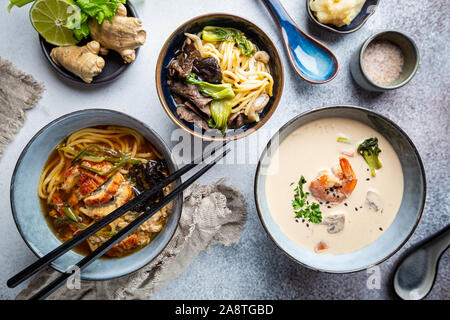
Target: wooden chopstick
[83,235]
[51,287]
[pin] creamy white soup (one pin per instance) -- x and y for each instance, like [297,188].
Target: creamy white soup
[355,206]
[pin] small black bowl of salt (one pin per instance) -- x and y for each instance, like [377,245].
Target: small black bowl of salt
[387,60]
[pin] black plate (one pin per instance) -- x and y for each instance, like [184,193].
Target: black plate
[114,64]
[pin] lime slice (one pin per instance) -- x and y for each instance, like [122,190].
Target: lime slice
[48,18]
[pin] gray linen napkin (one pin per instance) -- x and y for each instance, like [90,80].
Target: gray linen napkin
[211,214]
[18,93]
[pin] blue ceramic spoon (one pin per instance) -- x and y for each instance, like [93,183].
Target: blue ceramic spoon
[312,60]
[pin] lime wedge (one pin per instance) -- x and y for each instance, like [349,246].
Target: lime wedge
[48,18]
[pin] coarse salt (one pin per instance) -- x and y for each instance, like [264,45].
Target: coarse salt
[382,61]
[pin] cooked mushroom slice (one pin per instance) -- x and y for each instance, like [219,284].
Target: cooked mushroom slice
[208,70]
[261,102]
[334,222]
[183,63]
[257,107]
[374,200]
[252,115]
[262,56]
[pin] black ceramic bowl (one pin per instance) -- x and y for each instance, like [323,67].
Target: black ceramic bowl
[114,64]
[195,25]
[366,12]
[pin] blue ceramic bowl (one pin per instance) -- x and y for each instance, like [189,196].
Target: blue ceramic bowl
[26,207]
[195,25]
[405,221]
[367,10]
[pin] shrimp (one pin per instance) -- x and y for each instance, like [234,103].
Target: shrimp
[321,246]
[328,189]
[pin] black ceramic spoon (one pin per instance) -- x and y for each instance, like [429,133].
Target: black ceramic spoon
[415,275]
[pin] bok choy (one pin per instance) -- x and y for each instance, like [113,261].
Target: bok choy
[220,112]
[215,91]
[214,34]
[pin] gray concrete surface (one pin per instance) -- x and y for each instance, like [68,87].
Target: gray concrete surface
[255,268]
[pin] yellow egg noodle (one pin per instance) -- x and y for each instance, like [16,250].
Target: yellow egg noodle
[250,77]
[112,136]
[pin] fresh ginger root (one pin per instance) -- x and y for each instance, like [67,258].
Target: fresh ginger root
[123,35]
[84,61]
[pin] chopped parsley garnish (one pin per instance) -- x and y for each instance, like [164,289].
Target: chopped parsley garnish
[302,207]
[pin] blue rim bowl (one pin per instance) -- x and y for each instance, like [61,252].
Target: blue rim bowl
[26,207]
[399,231]
[195,25]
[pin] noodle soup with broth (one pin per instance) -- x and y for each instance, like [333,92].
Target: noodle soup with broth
[93,172]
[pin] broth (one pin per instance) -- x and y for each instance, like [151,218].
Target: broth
[314,147]
[109,165]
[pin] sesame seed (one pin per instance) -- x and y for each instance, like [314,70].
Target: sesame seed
[329,207]
[296,220]
[356,208]
[307,225]
[368,179]
[381,229]
[345,203]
